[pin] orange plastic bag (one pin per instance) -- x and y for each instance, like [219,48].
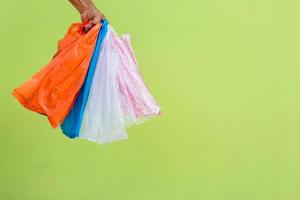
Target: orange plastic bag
[52,90]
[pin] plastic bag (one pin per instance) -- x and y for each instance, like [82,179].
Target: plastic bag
[52,90]
[92,86]
[71,124]
[118,95]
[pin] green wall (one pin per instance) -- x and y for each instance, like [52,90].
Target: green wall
[226,74]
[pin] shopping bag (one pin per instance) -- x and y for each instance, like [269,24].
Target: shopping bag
[72,123]
[52,90]
[118,96]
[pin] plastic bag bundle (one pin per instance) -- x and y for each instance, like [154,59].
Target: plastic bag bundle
[113,94]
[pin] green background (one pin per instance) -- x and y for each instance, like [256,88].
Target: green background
[226,74]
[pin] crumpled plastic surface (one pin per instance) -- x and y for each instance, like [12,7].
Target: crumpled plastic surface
[92,87]
[118,96]
[71,124]
[52,90]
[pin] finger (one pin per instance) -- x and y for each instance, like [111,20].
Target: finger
[96,20]
[84,16]
[88,27]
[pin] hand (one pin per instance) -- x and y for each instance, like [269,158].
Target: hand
[93,15]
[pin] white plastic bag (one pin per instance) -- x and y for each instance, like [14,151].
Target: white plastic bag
[118,96]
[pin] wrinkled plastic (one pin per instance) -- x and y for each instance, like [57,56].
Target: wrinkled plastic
[53,90]
[72,123]
[118,95]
